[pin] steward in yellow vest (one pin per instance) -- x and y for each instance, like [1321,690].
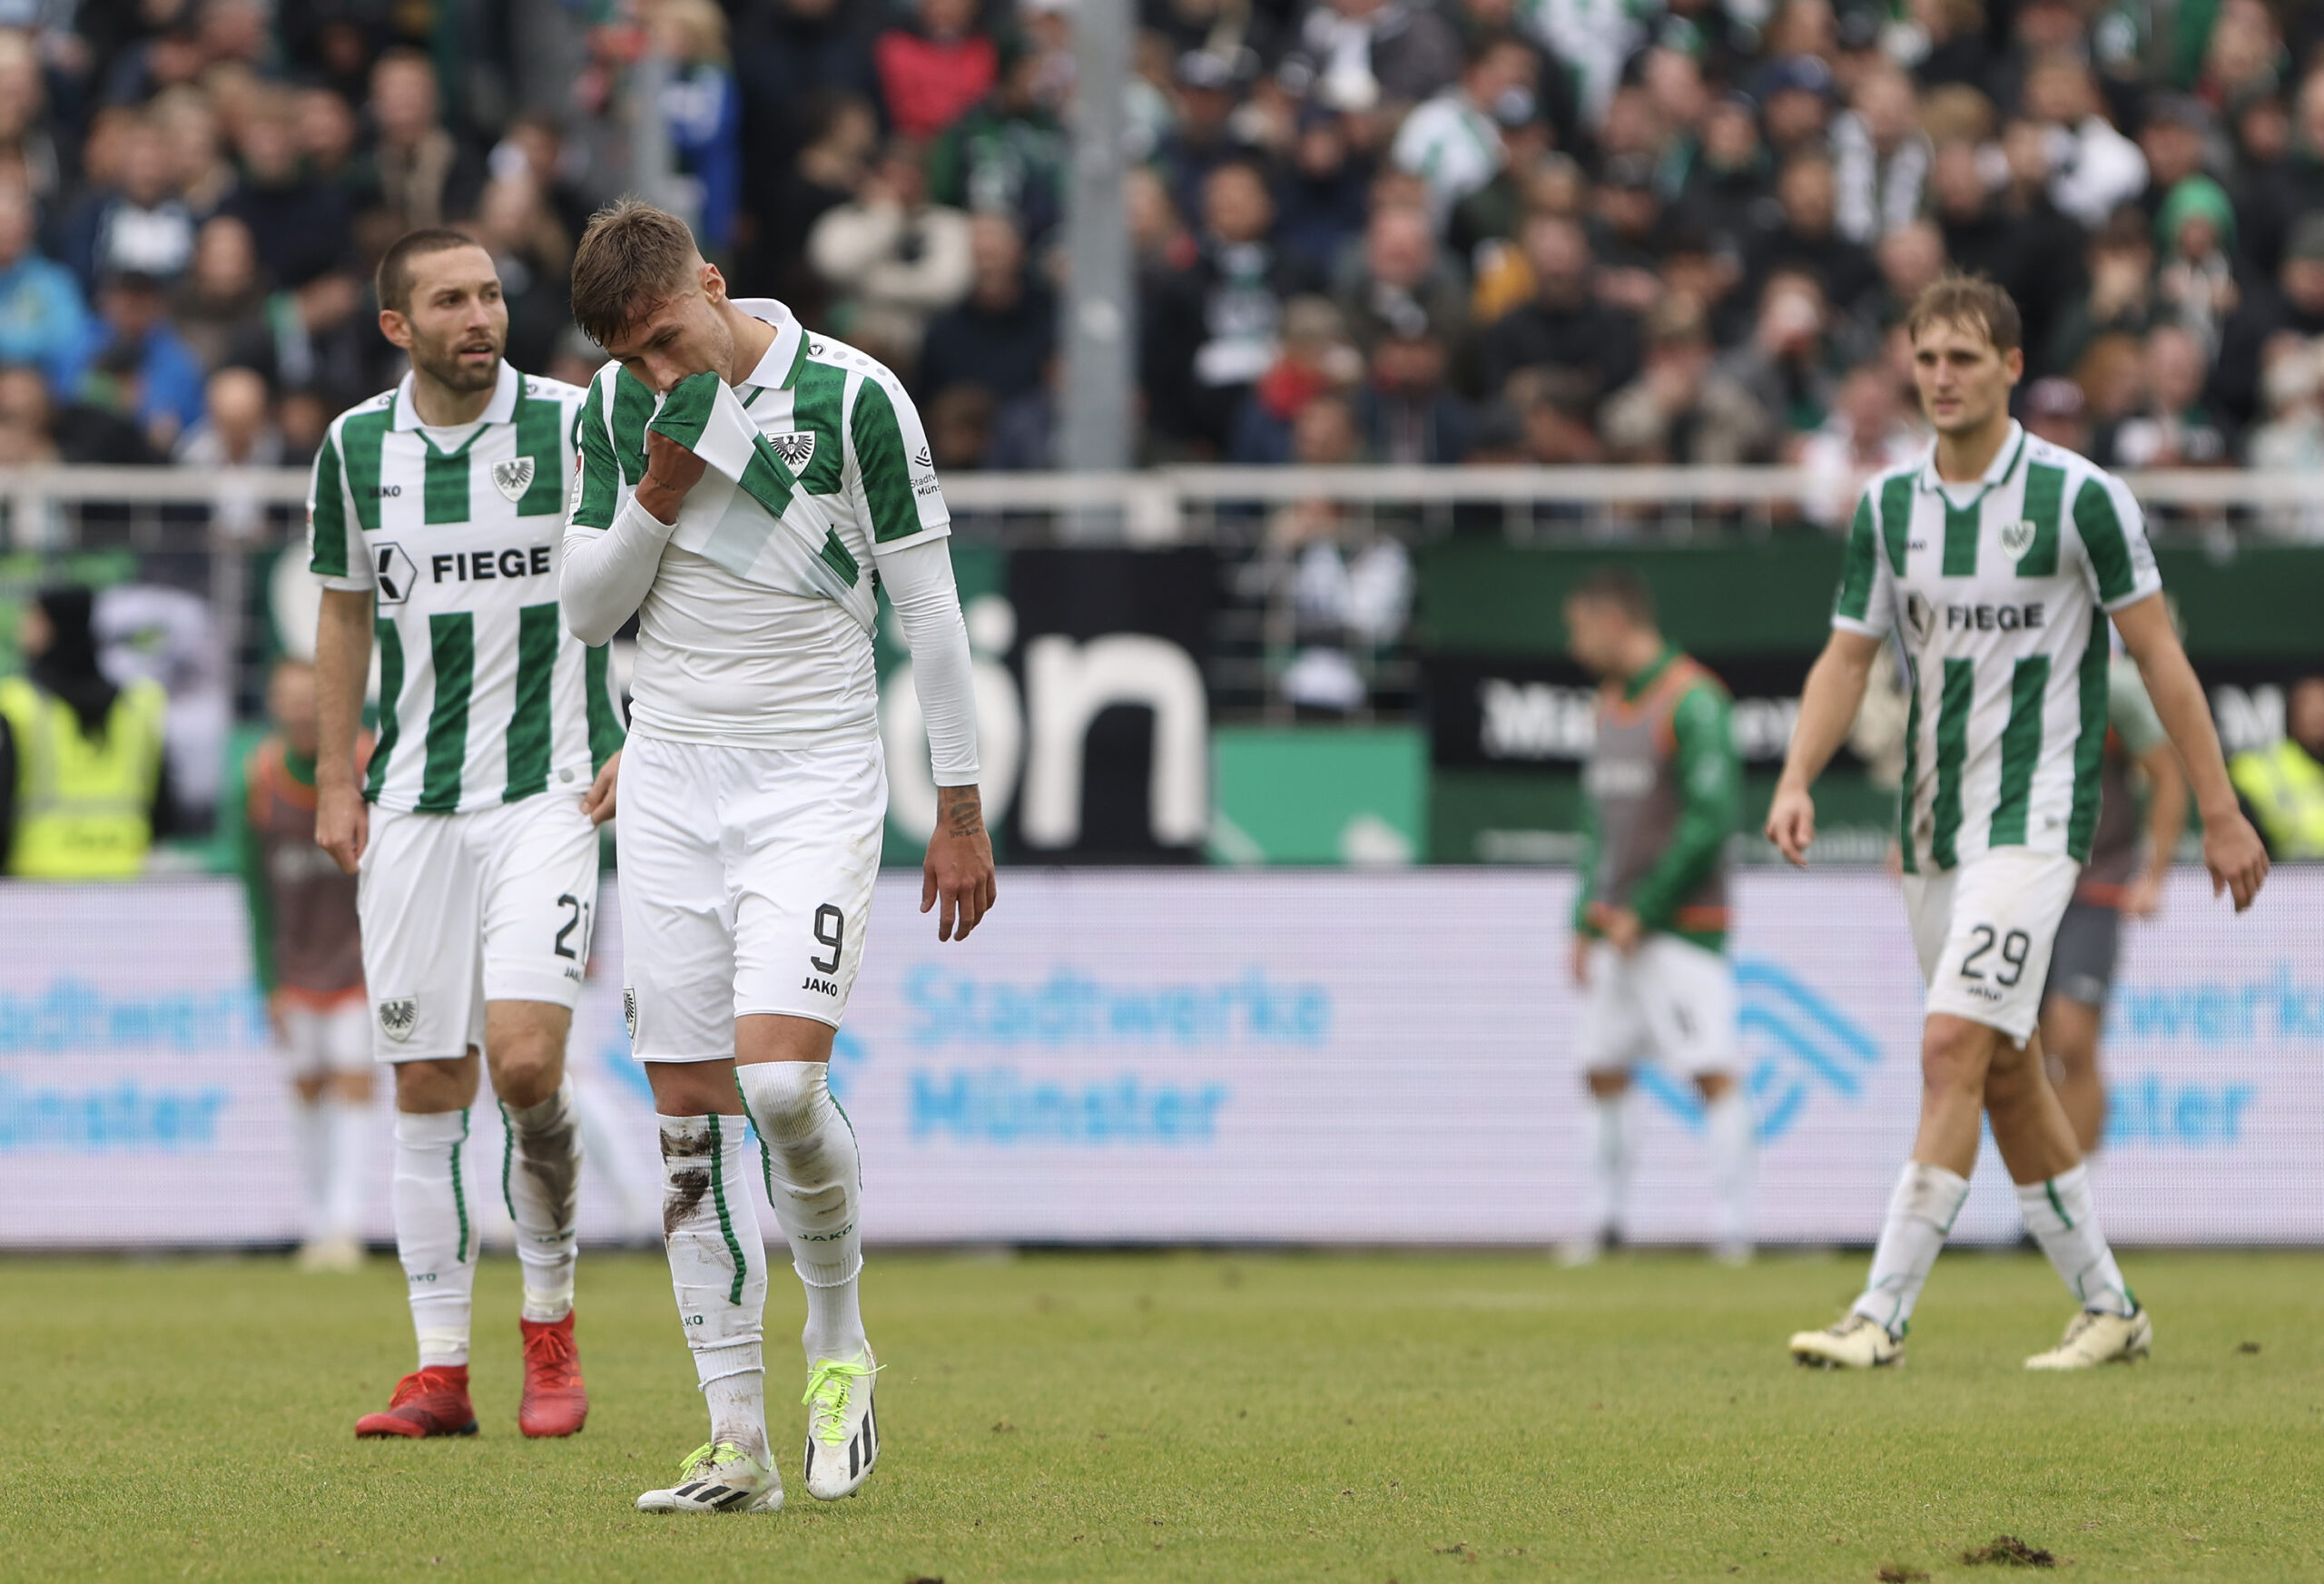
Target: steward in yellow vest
[2283,785]
[82,786]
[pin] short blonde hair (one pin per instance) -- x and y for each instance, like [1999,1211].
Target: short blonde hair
[1968,299]
[632,258]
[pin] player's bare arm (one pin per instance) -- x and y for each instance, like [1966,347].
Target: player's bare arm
[342,666]
[1828,707]
[2166,817]
[959,867]
[2232,851]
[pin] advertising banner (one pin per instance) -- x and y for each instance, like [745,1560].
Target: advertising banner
[1133,1055]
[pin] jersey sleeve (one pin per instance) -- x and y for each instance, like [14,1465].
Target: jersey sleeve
[1709,773]
[2117,561]
[335,552]
[890,472]
[596,477]
[1867,600]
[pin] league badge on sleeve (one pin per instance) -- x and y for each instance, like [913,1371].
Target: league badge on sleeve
[513,478]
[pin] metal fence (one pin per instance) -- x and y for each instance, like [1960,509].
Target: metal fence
[1302,550]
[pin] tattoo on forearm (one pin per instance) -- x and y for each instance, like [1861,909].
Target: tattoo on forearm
[960,811]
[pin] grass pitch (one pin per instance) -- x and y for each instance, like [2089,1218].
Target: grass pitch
[1180,1417]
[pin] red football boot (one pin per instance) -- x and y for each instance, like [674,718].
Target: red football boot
[431,1401]
[556,1402]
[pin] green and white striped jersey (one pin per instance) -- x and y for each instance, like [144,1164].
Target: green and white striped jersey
[1994,588]
[726,659]
[484,696]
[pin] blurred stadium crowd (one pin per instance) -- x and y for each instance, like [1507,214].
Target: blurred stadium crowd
[1391,230]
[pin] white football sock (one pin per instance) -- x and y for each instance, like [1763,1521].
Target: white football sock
[813,1179]
[349,1124]
[710,1224]
[1920,1213]
[314,1164]
[1731,1132]
[1609,1165]
[541,1175]
[434,1237]
[2058,1214]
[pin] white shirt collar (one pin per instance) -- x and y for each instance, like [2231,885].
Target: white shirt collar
[499,410]
[2013,445]
[780,367]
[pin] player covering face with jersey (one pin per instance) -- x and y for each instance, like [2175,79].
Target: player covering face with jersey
[742,479]
[1995,562]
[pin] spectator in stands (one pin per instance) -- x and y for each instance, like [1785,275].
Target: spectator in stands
[2173,429]
[2118,298]
[892,259]
[792,57]
[2056,411]
[704,111]
[328,136]
[1682,409]
[1628,235]
[1593,350]
[2196,284]
[221,298]
[827,172]
[43,319]
[1406,412]
[1788,365]
[316,339]
[1910,257]
[1805,236]
[133,321]
[1881,157]
[999,336]
[932,68]
[2097,169]
[2282,785]
[2294,307]
[201,174]
[2292,439]
[534,256]
[298,222]
[419,174]
[534,143]
[1454,141]
[141,226]
[237,427]
[27,141]
[1867,433]
[1160,243]
[2280,192]
[1366,55]
[2176,134]
[1320,195]
[1795,98]
[100,821]
[1317,359]
[1010,154]
[1400,281]
[1731,177]
[1205,91]
[1217,326]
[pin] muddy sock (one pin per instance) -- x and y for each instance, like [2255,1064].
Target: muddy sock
[710,1224]
[541,1175]
[812,1178]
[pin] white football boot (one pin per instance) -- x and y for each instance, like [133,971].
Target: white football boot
[719,1478]
[843,1433]
[2094,1339]
[1857,1342]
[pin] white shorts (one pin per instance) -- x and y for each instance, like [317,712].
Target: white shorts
[320,1040]
[459,909]
[746,886]
[1985,931]
[1671,1001]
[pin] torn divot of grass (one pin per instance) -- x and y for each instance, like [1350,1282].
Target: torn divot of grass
[2006,1550]
[1897,1573]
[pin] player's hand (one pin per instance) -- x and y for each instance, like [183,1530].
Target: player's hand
[1580,959]
[343,824]
[597,802]
[959,868]
[2142,898]
[1792,824]
[670,471]
[2236,857]
[1622,929]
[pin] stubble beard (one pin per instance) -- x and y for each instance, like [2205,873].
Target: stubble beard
[447,370]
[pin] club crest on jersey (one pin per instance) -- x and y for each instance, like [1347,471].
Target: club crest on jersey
[399,1016]
[795,449]
[513,478]
[629,1012]
[2016,538]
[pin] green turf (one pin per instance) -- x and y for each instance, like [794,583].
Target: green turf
[1176,1417]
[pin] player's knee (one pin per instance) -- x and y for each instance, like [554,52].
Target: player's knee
[1954,1054]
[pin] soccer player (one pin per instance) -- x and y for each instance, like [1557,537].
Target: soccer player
[437,513]
[308,954]
[2115,886]
[742,482]
[1650,927]
[1992,560]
